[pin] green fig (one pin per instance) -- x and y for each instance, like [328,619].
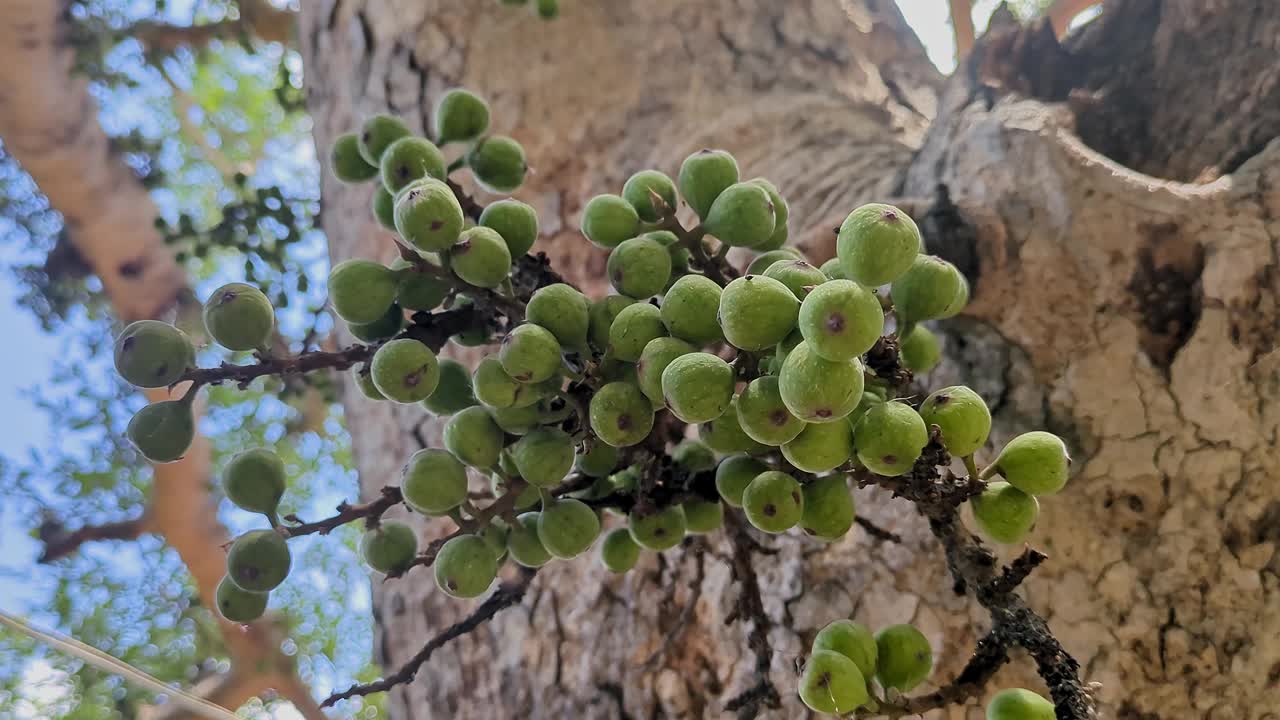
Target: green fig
[460,116]
[637,192]
[498,163]
[621,415]
[773,502]
[239,317]
[361,291]
[690,309]
[1005,513]
[1036,463]
[564,312]
[703,176]
[889,438]
[831,683]
[698,387]
[163,431]
[757,312]
[877,243]
[405,370]
[515,221]
[903,657]
[433,482]
[346,163]
[962,416]
[390,547]
[153,354]
[254,480]
[409,159]
[465,566]
[258,561]
[239,606]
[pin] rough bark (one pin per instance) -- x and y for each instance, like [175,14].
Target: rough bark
[1121,311]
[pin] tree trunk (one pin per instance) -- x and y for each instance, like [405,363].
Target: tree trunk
[1122,312]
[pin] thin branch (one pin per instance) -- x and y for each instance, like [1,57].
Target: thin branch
[369,512]
[962,26]
[507,595]
[876,531]
[59,542]
[750,607]
[717,268]
[989,655]
[258,18]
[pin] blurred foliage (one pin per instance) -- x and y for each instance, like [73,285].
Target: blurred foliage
[220,137]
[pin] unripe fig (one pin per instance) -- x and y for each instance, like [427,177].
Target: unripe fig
[530,354]
[384,207]
[817,390]
[773,502]
[918,350]
[563,311]
[465,566]
[239,317]
[347,164]
[698,387]
[621,415]
[258,561]
[877,243]
[828,508]
[958,302]
[544,457]
[598,462]
[409,159]
[567,527]
[474,438]
[725,434]
[600,317]
[607,220]
[833,269]
[926,290]
[1036,463]
[841,320]
[633,329]
[498,163]
[390,547]
[460,116]
[495,536]
[361,291]
[654,359]
[637,188]
[163,431]
[962,416]
[678,252]
[780,214]
[639,267]
[869,400]
[757,312]
[239,606]
[852,640]
[763,415]
[831,683]
[428,216]
[153,354]
[762,262]
[693,455]
[515,221]
[734,474]
[703,176]
[433,482]
[384,328]
[799,276]
[657,529]
[516,420]
[903,657]
[619,552]
[820,447]
[417,289]
[1005,513]
[480,258]
[703,516]
[1019,704]
[254,480]
[365,383]
[453,391]
[405,371]
[493,386]
[889,438]
[523,543]
[689,310]
[741,216]
[376,135]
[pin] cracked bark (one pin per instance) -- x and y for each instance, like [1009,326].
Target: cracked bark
[1082,322]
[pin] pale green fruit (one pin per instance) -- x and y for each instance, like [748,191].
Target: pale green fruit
[258,561]
[919,351]
[563,311]
[600,317]
[495,536]
[725,434]
[633,329]
[365,383]
[799,276]
[959,301]
[962,416]
[153,354]
[239,317]
[773,502]
[567,527]
[480,257]
[831,683]
[428,215]
[637,192]
[659,529]
[433,482]
[515,221]
[926,290]
[762,262]
[237,605]
[741,216]
[390,547]
[607,220]
[360,291]
[417,289]
[498,163]
[619,552]
[654,359]
[698,387]
[465,566]
[817,390]
[384,328]
[544,456]
[841,320]
[780,214]
[453,391]
[877,243]
[162,431]
[460,116]
[495,388]
[639,267]
[889,438]
[523,543]
[851,639]
[828,508]
[1036,463]
[703,516]
[621,415]
[903,657]
[530,354]
[409,159]
[734,474]
[833,269]
[474,438]
[1019,704]
[763,415]
[255,480]
[376,135]
[516,420]
[598,462]
[820,447]
[703,176]
[405,371]
[1005,513]
[757,312]
[690,308]
[346,163]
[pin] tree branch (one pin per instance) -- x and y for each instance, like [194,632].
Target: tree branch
[370,512]
[59,542]
[750,607]
[962,26]
[258,18]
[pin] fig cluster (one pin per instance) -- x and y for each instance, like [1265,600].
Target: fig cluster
[847,658]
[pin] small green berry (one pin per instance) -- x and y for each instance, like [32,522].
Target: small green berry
[563,311]
[741,216]
[417,288]
[600,317]
[495,536]
[734,474]
[1036,463]
[658,529]
[725,434]
[516,420]
[820,447]
[773,502]
[832,684]
[841,320]
[474,438]
[903,657]
[693,455]
[919,351]
[383,205]
[762,262]
[763,415]
[409,159]
[428,216]
[639,267]
[433,482]
[621,415]
[598,462]
[153,354]
[889,438]
[493,386]
[240,317]
[346,162]
[480,257]
[634,328]
[1005,513]
[780,214]
[254,480]
[619,552]
[523,543]
[828,508]
[703,516]
[498,163]
[757,312]
[239,606]
[365,383]
[818,390]
[1019,704]
[637,188]
[799,276]
[258,561]
[530,354]
[405,371]
[453,391]
[607,220]
[567,527]
[703,176]
[390,547]
[958,303]
[852,640]
[833,269]
[460,116]
[515,221]
[465,566]
[376,135]
[962,416]
[877,243]
[162,431]
[698,387]
[926,290]
[384,328]
[689,310]
[361,291]
[544,456]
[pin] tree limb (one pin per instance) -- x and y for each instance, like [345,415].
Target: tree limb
[962,26]
[60,542]
[258,18]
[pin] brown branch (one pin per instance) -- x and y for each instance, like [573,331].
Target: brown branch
[59,542]
[717,268]
[258,18]
[876,531]
[962,26]
[370,512]
[507,595]
[470,207]
[750,607]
